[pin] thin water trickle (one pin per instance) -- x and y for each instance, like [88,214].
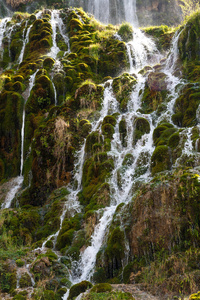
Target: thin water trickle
[31,83]
[3,26]
[54,23]
[18,181]
[25,41]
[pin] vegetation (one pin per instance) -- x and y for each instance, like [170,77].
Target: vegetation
[153,239]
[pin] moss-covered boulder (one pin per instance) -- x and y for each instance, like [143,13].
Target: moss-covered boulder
[79,288]
[141,126]
[160,160]
[155,92]
[123,87]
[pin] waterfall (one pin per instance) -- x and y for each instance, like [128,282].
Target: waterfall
[3,26]
[31,82]
[25,41]
[17,182]
[109,11]
[130,12]
[141,50]
[84,268]
[26,37]
[54,23]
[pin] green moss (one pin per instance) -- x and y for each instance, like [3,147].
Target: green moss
[160,160]
[93,138]
[142,126]
[123,132]
[67,232]
[174,140]
[101,288]
[122,87]
[48,63]
[109,120]
[126,32]
[155,92]
[115,295]
[115,248]
[162,34]
[20,263]
[186,105]
[79,288]
[25,281]
[128,160]
[108,130]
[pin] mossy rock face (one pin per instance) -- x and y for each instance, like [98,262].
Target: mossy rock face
[108,130]
[123,87]
[160,160]
[8,278]
[188,40]
[11,107]
[109,120]
[123,132]
[162,34]
[79,288]
[126,32]
[51,216]
[141,126]
[92,139]
[89,96]
[109,295]
[115,250]
[25,281]
[96,195]
[128,160]
[101,288]
[174,140]
[67,232]
[186,106]
[155,92]
[52,142]
[48,63]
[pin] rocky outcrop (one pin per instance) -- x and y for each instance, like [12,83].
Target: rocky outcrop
[157,12]
[16,3]
[149,12]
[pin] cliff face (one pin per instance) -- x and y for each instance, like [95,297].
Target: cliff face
[94,135]
[149,12]
[16,3]
[158,12]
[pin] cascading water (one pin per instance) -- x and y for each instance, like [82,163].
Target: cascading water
[54,22]
[84,268]
[57,22]
[25,35]
[141,52]
[140,49]
[31,82]
[108,11]
[3,25]
[25,41]
[17,182]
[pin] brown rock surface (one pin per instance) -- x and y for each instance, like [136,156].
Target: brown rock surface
[134,291]
[16,3]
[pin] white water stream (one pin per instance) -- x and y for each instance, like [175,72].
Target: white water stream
[141,52]
[16,183]
[3,26]
[107,11]
[141,152]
